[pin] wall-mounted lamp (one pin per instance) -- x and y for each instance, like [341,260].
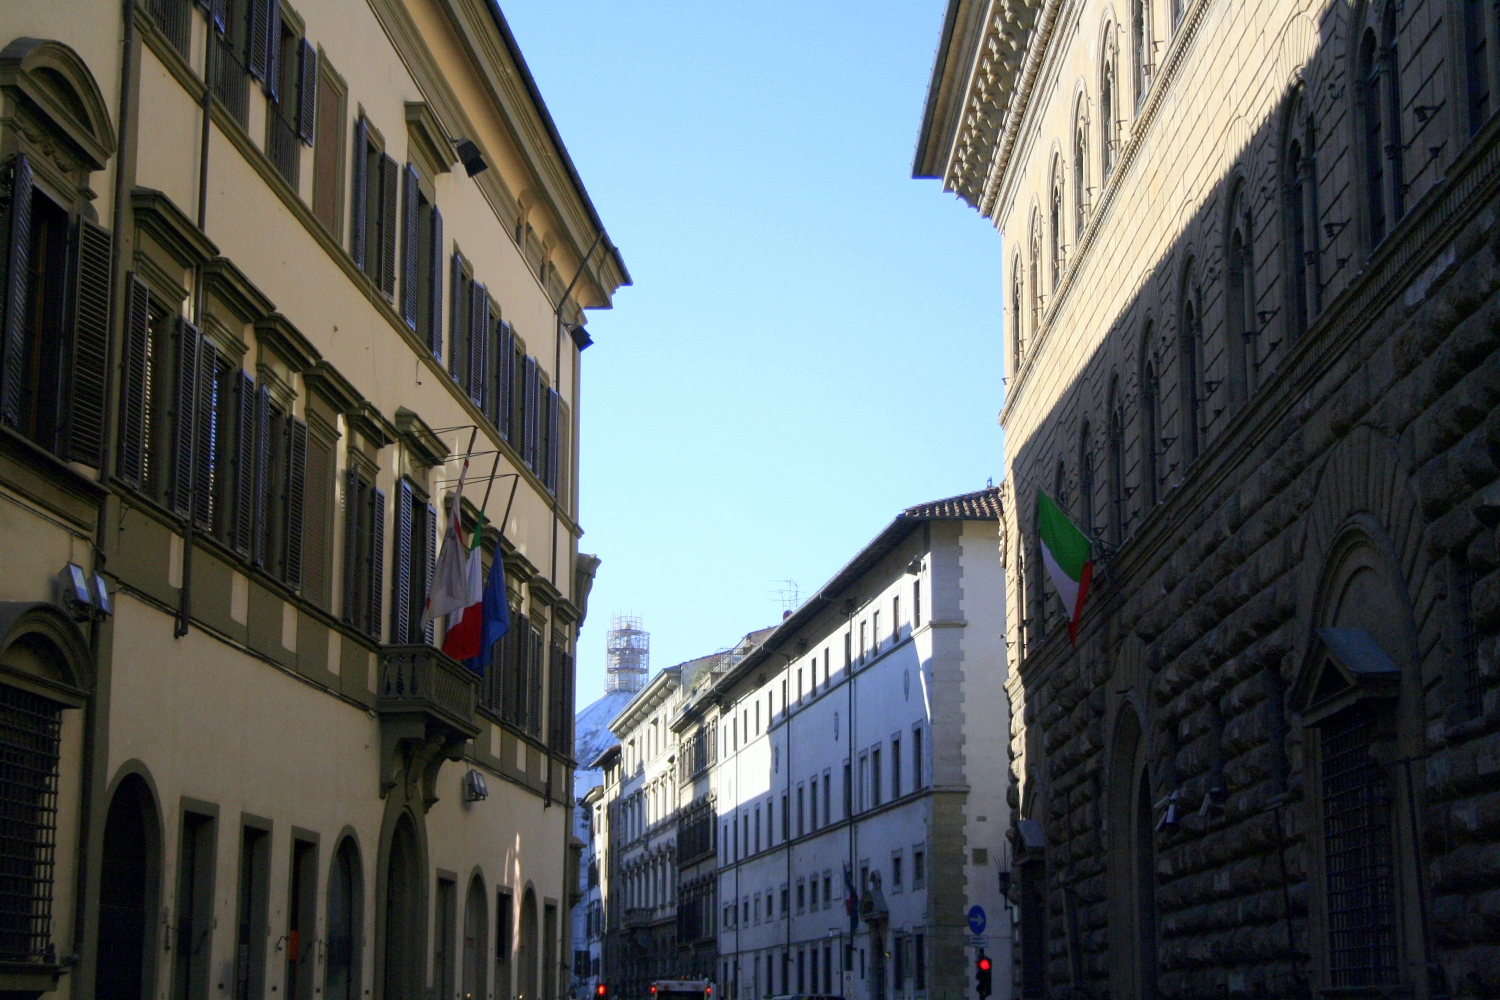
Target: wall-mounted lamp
[470,156]
[83,596]
[475,790]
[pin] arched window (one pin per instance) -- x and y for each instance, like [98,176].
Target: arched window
[1477,62]
[1086,481]
[1109,127]
[345,918]
[1080,174]
[1300,223]
[1372,150]
[1056,221]
[1189,360]
[1034,275]
[1239,274]
[1116,472]
[1140,47]
[1391,73]
[1150,421]
[476,941]
[1018,345]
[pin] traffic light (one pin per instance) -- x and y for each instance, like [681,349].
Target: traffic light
[982,971]
[601,991]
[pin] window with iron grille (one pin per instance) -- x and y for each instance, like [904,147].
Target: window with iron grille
[30,726]
[1357,843]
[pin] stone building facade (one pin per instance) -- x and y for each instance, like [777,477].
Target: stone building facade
[256,300]
[1251,333]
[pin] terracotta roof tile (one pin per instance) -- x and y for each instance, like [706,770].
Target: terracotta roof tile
[982,505]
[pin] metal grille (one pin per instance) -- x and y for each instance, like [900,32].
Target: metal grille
[174,19]
[231,80]
[1357,820]
[29,729]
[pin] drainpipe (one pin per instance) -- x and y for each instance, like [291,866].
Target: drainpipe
[557,332]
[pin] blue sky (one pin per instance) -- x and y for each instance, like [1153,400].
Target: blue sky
[813,339]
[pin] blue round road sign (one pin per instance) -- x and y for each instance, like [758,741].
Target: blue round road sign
[976,920]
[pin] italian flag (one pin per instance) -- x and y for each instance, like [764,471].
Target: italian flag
[1065,550]
[458,584]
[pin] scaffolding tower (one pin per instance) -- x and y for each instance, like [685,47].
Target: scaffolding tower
[628,652]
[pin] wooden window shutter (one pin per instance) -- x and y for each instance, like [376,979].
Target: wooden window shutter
[315,537]
[388,183]
[204,450]
[553,439]
[359,192]
[273,53]
[353,545]
[401,546]
[460,321]
[307,92]
[184,398]
[504,377]
[377,562]
[529,385]
[17,271]
[514,709]
[83,438]
[479,320]
[410,198]
[429,546]
[534,685]
[255,49]
[435,303]
[130,464]
[244,463]
[219,14]
[296,500]
[262,504]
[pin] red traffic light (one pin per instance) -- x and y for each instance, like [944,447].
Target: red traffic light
[984,964]
[653,989]
[600,990]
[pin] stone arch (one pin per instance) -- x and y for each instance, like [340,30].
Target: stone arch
[130,870]
[345,920]
[57,80]
[1132,857]
[401,907]
[529,951]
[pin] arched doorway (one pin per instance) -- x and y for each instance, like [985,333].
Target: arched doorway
[528,951]
[345,916]
[476,940]
[127,875]
[1132,849]
[403,915]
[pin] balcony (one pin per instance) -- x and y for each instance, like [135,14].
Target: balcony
[426,707]
[637,916]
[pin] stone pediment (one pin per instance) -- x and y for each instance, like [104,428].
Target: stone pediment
[1343,666]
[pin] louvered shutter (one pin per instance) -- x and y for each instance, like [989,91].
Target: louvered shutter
[534,686]
[529,387]
[353,546]
[377,560]
[273,53]
[307,92]
[184,400]
[131,463]
[83,438]
[17,271]
[359,182]
[429,543]
[504,376]
[435,302]
[205,456]
[401,546]
[460,320]
[479,321]
[244,463]
[296,499]
[388,186]
[220,15]
[262,505]
[519,651]
[315,537]
[410,199]
[260,18]
[553,440]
